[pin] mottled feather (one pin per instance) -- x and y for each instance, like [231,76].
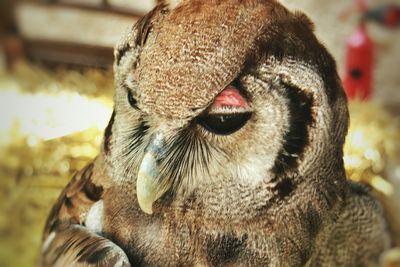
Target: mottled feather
[170,189]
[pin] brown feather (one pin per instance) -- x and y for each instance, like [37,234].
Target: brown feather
[272,193]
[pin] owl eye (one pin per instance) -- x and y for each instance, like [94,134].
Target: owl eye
[224,124]
[132,101]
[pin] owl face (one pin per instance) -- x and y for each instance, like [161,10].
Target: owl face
[218,93]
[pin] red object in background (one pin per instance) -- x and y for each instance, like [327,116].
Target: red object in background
[392,16]
[362,5]
[388,16]
[359,65]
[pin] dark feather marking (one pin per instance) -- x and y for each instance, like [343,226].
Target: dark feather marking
[142,27]
[68,203]
[359,189]
[121,52]
[284,188]
[88,171]
[98,255]
[108,133]
[297,138]
[331,196]
[225,249]
[92,191]
[312,220]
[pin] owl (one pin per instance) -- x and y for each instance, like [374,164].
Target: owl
[224,149]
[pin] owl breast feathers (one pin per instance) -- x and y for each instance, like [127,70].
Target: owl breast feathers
[224,149]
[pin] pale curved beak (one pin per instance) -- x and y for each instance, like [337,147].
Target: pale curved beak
[149,181]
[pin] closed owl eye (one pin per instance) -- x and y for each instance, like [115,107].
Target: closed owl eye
[132,101]
[227,114]
[224,124]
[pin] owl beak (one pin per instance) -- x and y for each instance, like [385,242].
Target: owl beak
[148,185]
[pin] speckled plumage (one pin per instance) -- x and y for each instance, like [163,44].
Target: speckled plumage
[272,193]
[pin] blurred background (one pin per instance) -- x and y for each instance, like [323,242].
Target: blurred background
[56,88]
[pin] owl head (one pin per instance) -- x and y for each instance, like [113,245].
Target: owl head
[230,93]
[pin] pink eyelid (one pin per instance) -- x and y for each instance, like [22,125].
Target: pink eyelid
[230,97]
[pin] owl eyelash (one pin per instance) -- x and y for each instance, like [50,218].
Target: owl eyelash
[135,138]
[191,151]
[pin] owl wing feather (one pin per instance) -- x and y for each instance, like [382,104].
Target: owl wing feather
[67,242]
[76,246]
